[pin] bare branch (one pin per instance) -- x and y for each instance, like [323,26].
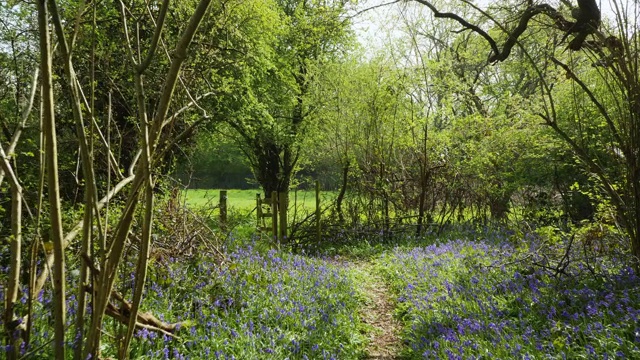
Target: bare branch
[584,26]
[603,111]
[462,22]
[373,8]
[156,37]
[70,236]
[194,102]
[15,138]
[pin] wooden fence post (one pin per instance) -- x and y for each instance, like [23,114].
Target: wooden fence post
[223,210]
[282,207]
[259,213]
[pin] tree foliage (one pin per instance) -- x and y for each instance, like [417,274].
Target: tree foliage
[468,114]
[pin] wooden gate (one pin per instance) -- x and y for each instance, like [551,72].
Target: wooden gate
[274,208]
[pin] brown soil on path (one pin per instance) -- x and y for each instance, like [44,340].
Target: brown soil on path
[385,341]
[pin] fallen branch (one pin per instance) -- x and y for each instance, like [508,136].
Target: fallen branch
[122,313]
[144,320]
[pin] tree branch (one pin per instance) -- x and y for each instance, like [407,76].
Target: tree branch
[603,111]
[463,22]
[15,138]
[531,11]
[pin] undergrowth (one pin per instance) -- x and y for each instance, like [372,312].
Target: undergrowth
[487,299]
[255,305]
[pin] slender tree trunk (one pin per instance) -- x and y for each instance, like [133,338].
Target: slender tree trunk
[72,87]
[343,190]
[13,282]
[424,178]
[16,224]
[51,151]
[634,183]
[634,233]
[147,226]
[14,274]
[425,173]
[634,166]
[141,269]
[109,270]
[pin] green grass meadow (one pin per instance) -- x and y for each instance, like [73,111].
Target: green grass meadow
[245,200]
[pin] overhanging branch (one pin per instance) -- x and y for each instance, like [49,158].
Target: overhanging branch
[559,21]
[463,22]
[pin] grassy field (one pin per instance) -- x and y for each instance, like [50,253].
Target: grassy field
[304,201]
[246,199]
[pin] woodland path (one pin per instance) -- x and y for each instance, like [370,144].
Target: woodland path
[385,342]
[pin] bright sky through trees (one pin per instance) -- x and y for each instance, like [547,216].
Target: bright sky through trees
[377,21]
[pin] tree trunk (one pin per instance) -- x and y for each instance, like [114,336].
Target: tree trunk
[424,180]
[109,271]
[499,208]
[268,167]
[59,305]
[91,192]
[13,282]
[343,190]
[634,233]
[634,169]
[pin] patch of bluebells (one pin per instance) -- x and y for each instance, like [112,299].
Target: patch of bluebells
[473,300]
[42,326]
[256,306]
